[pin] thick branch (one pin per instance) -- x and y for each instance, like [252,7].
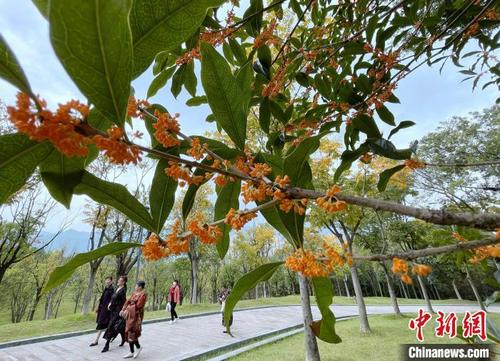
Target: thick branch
[486,221]
[429,251]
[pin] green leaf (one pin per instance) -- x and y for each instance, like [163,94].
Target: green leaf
[162,195]
[116,196]
[43,7]
[296,166]
[347,158]
[244,77]
[10,70]
[93,42]
[246,283]
[402,125]
[265,114]
[19,156]
[324,329]
[195,101]
[253,26]
[227,198]
[367,125]
[386,115]
[387,149]
[64,272]
[225,97]
[302,78]
[160,81]
[384,177]
[61,174]
[163,25]
[179,78]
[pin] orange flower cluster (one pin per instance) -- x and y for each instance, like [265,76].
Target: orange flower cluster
[311,264]
[180,172]
[260,170]
[266,36]
[175,243]
[273,88]
[414,164]
[237,220]
[482,253]
[422,270]
[330,203]
[166,129]
[214,38]
[134,105]
[208,234]
[297,205]
[458,237]
[117,151]
[401,266]
[153,249]
[306,263]
[254,191]
[197,150]
[59,127]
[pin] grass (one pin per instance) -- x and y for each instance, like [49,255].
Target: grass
[76,322]
[383,344]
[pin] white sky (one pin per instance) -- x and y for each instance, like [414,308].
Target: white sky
[427,97]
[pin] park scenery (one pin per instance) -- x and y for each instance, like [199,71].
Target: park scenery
[249,179]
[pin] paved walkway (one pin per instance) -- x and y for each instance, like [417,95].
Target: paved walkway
[189,337]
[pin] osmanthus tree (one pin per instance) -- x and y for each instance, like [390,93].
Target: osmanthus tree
[335,70]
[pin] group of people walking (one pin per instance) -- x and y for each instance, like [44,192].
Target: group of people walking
[117,315]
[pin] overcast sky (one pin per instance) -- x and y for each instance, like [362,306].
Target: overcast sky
[427,97]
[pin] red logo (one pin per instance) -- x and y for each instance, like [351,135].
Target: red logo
[475,324]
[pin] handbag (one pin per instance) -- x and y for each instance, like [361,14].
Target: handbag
[169,307]
[120,325]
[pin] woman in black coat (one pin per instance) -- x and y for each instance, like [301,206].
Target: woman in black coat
[116,324]
[103,314]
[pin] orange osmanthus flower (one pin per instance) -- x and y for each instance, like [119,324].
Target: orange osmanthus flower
[153,249]
[59,128]
[133,107]
[237,220]
[166,129]
[175,243]
[421,269]
[482,253]
[414,164]
[329,202]
[182,173]
[197,150]
[208,234]
[115,149]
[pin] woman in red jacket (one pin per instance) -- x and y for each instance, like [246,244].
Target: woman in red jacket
[173,298]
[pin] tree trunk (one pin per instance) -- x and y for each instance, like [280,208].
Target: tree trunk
[436,290]
[405,291]
[392,293]
[415,293]
[364,326]
[346,287]
[426,295]
[87,298]
[474,289]
[455,288]
[193,259]
[48,306]
[312,351]
[36,300]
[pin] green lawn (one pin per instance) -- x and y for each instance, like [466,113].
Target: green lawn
[382,345]
[74,322]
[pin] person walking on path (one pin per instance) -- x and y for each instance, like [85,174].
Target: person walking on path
[103,313]
[116,324]
[223,295]
[133,312]
[174,298]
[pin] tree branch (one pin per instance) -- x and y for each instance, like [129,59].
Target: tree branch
[433,251]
